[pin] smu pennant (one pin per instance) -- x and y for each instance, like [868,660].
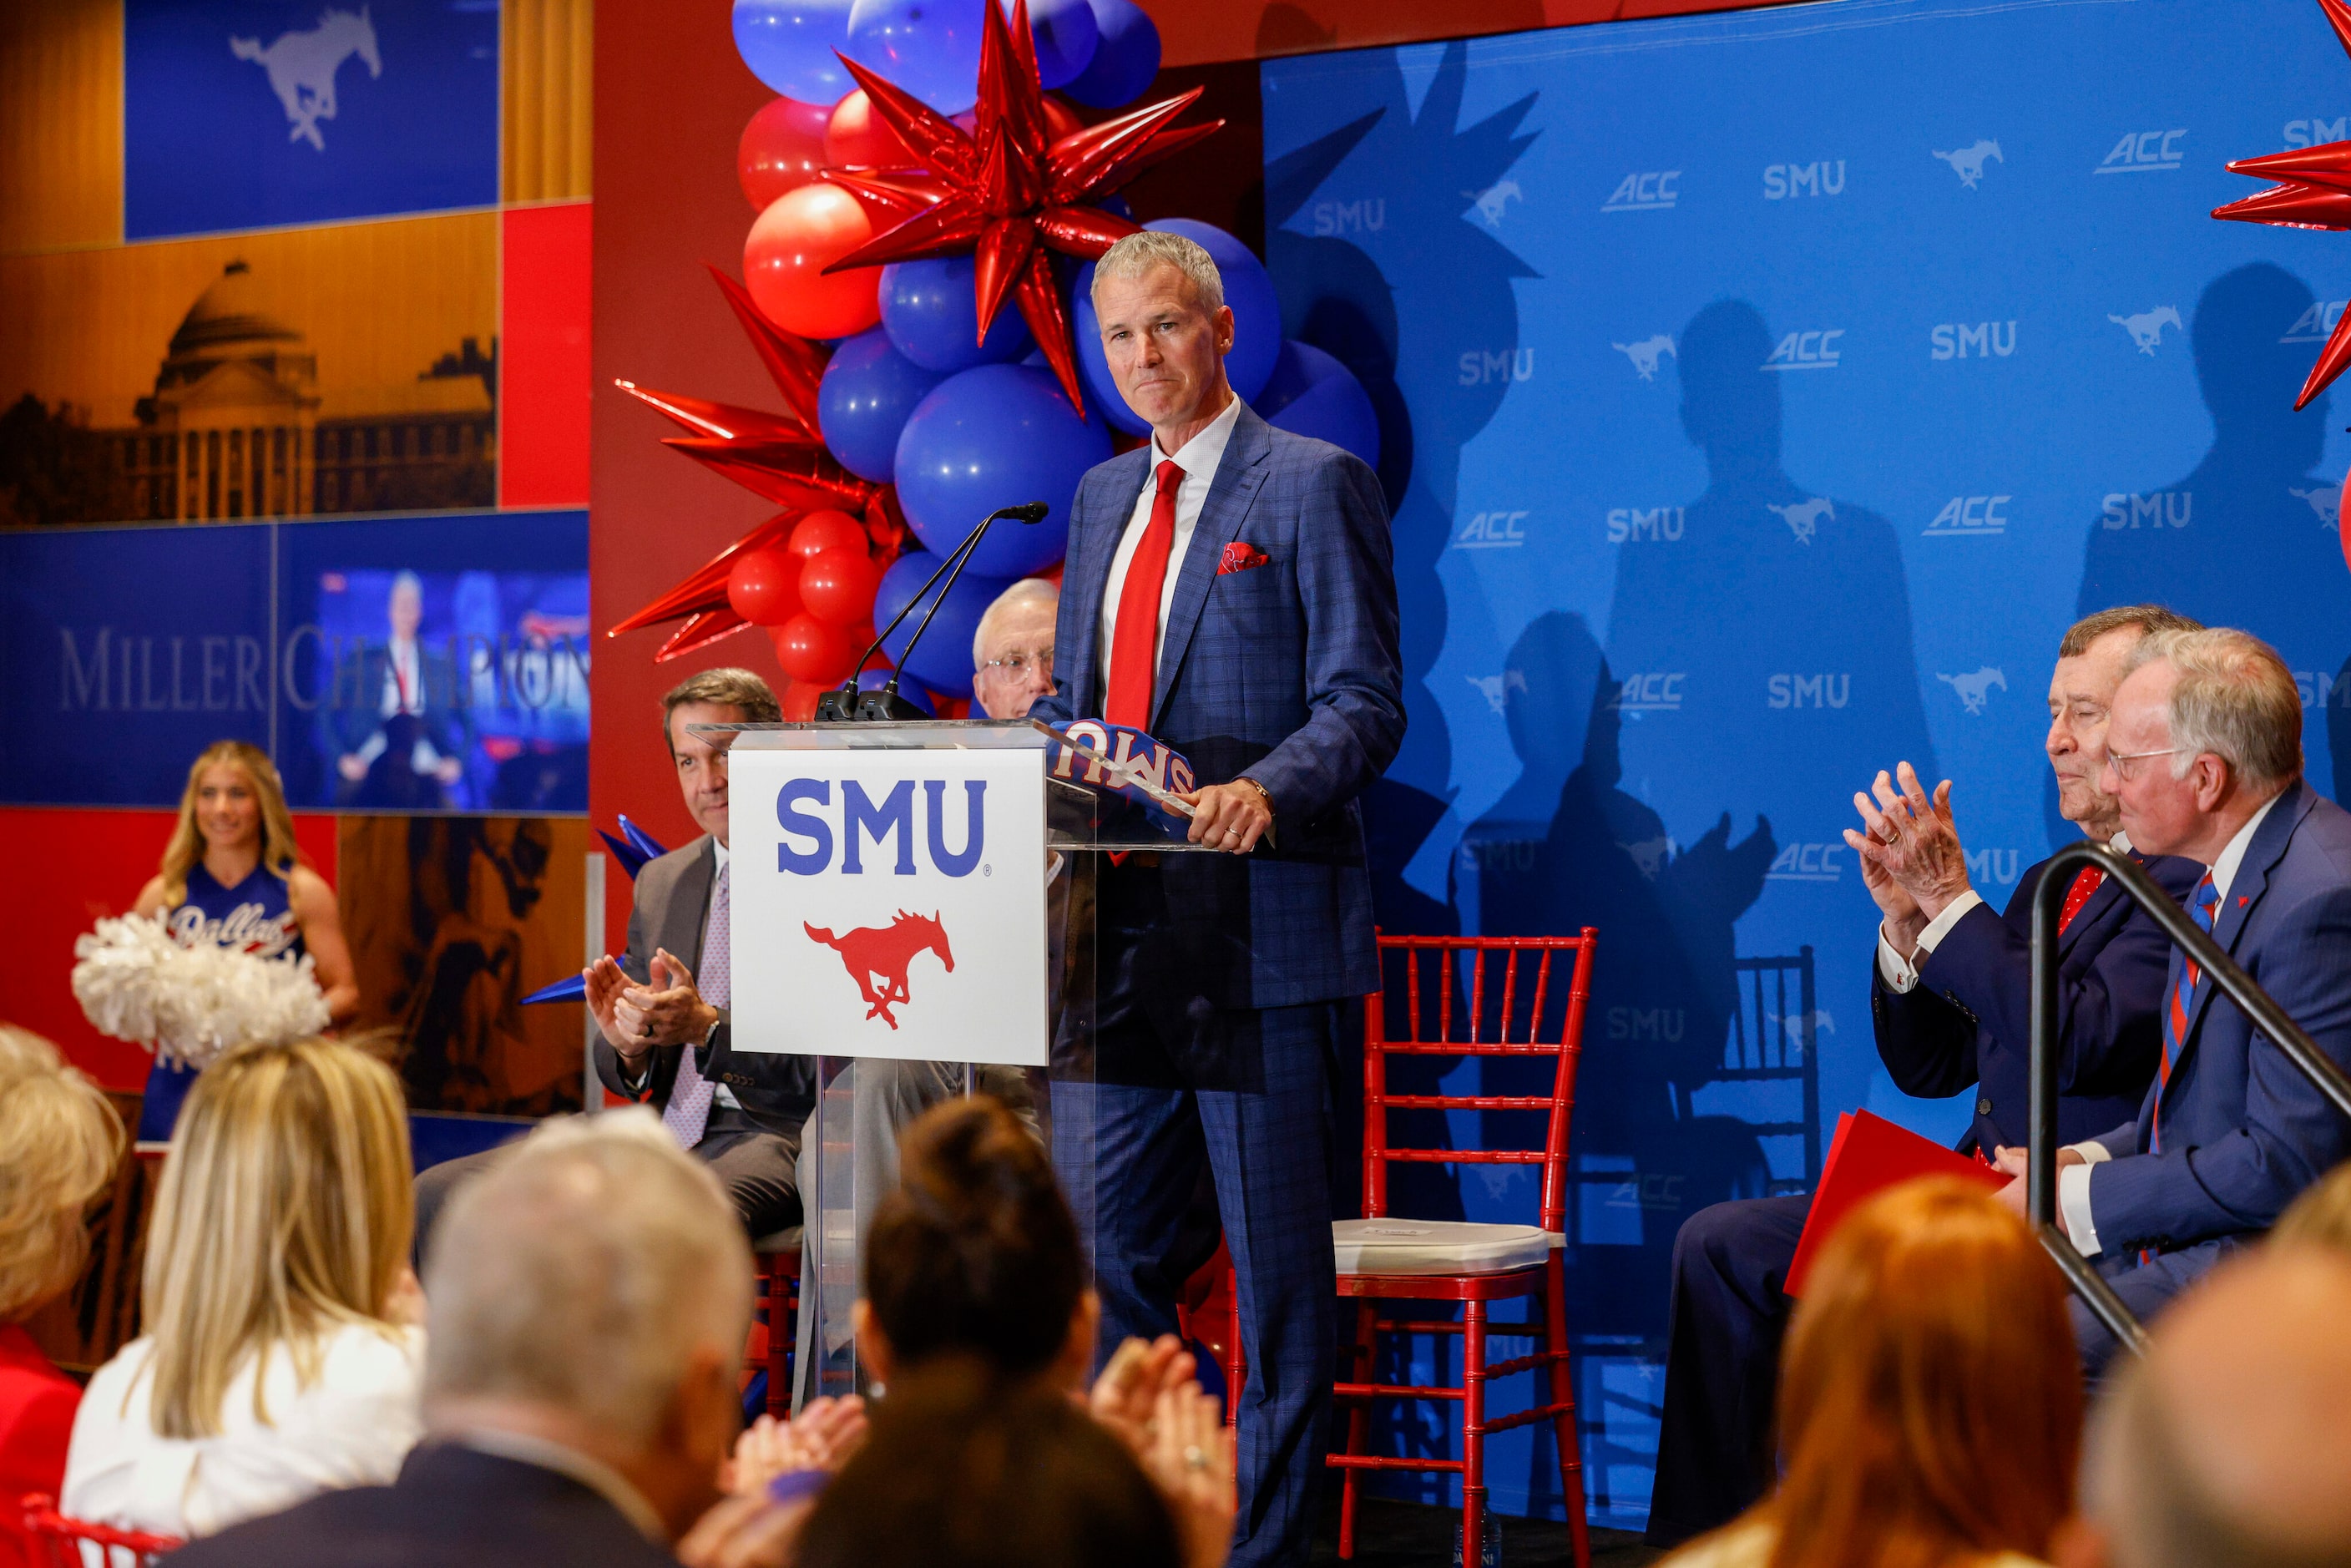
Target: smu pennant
[1153,762]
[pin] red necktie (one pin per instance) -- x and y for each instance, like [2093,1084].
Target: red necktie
[1134,642]
[2086,884]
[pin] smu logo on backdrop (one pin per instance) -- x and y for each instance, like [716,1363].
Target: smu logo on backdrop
[1645,524]
[1975,689]
[1663,1025]
[1808,690]
[1652,191]
[1803,519]
[2322,688]
[302,67]
[2145,152]
[1653,691]
[1969,517]
[1368,216]
[2315,324]
[1808,862]
[864,819]
[1972,340]
[1479,368]
[1968,163]
[1493,530]
[2163,509]
[2327,501]
[1496,689]
[1493,201]
[2145,328]
[2316,131]
[1785,181]
[1647,354]
[1814,351]
[1993,865]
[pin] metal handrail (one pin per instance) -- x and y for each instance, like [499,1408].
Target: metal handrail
[2041,1182]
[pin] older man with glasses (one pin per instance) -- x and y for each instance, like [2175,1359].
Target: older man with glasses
[1012,651]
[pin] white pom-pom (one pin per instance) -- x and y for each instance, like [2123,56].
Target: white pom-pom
[187,1004]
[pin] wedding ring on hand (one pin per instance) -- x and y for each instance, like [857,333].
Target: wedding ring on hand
[1194,1458]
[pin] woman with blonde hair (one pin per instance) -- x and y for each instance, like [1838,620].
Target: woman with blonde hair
[1931,1397]
[233,875]
[282,1357]
[59,1143]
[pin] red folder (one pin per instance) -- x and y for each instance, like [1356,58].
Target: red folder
[1869,1154]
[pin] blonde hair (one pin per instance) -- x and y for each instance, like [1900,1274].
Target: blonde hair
[279,853]
[60,1142]
[286,1209]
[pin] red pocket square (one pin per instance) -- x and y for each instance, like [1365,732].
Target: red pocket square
[1240,555]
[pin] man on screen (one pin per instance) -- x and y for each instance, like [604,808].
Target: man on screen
[1229,591]
[403,741]
[1950,995]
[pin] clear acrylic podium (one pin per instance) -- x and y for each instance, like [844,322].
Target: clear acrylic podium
[1083,822]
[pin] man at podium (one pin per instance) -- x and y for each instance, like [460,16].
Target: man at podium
[1229,591]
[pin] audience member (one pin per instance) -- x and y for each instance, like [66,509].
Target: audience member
[281,1356]
[590,1295]
[59,1143]
[1012,648]
[2225,1447]
[1930,1406]
[2205,751]
[1950,998]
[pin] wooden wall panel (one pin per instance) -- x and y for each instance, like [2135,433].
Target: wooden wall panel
[548,55]
[61,124]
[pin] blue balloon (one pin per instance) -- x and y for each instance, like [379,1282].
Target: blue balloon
[943,658]
[996,435]
[789,45]
[1249,291]
[930,47]
[873,680]
[1066,33]
[1125,57]
[868,391]
[1311,393]
[931,317]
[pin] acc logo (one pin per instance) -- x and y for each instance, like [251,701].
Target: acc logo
[1783,181]
[861,820]
[1975,690]
[2146,328]
[1479,368]
[2327,501]
[1496,689]
[2314,325]
[1366,217]
[1643,354]
[1808,691]
[2315,131]
[1656,691]
[1635,525]
[1968,163]
[1806,352]
[1493,530]
[885,953]
[2144,152]
[302,67]
[1490,201]
[1980,339]
[1803,519]
[2164,508]
[1970,516]
[1807,863]
[1646,192]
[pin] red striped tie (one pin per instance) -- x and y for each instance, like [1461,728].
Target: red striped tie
[2185,975]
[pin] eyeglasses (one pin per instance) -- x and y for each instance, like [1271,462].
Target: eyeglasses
[1019,664]
[2126,762]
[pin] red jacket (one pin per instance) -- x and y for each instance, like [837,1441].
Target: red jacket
[37,1416]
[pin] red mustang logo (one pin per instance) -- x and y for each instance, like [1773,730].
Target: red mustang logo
[884,952]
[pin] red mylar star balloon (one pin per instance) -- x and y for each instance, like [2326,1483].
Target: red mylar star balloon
[780,456]
[1014,192]
[2316,194]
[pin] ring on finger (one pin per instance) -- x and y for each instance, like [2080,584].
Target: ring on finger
[1195,1458]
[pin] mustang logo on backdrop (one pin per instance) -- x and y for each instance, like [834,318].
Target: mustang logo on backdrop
[302,66]
[1975,690]
[1968,163]
[1491,201]
[2327,501]
[1643,354]
[885,953]
[1803,519]
[2146,328]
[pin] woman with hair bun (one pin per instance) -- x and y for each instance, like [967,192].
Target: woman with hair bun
[233,875]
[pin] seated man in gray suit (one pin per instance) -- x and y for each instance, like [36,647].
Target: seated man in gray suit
[661,1007]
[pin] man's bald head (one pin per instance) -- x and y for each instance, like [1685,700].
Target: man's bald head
[2230,1445]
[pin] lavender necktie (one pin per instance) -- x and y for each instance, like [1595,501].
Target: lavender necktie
[688,1111]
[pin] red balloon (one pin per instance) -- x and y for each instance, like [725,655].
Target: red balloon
[804,231]
[813,649]
[800,701]
[837,585]
[857,138]
[764,585]
[822,531]
[782,147]
[2342,523]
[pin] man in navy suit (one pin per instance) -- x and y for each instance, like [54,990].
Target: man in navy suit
[2206,755]
[1950,994]
[1229,590]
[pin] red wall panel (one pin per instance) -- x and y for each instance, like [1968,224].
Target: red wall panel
[543,358]
[67,868]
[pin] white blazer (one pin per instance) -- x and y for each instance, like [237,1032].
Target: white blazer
[352,1426]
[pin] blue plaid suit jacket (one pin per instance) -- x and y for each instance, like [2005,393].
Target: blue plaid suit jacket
[1288,671]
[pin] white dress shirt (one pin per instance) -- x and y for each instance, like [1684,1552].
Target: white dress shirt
[2073,1181]
[1198,459]
[352,1426]
[1900,974]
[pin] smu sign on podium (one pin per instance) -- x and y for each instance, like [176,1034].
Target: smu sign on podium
[890,902]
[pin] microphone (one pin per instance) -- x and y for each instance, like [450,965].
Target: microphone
[885,706]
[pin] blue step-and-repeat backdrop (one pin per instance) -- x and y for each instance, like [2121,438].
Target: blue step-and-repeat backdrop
[1761,396]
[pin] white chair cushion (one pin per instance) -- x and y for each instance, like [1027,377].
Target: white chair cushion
[1437,1246]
